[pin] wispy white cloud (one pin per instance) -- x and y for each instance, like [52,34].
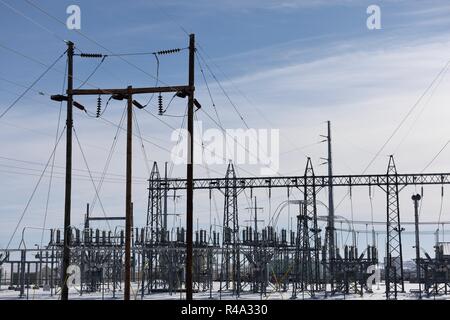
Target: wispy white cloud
[371,82]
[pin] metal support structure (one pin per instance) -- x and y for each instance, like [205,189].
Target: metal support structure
[307,254]
[416,198]
[182,91]
[164,226]
[154,213]
[154,232]
[266,265]
[319,181]
[394,258]
[312,184]
[128,205]
[311,214]
[330,227]
[68,186]
[190,170]
[231,258]
[302,260]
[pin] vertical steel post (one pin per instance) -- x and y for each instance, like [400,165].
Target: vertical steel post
[255,249]
[330,209]
[86,221]
[165,202]
[416,198]
[23,259]
[128,209]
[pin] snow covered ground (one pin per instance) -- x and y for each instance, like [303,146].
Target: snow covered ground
[378,294]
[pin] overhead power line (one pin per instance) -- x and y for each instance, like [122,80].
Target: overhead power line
[435,157]
[47,202]
[32,20]
[62,22]
[414,106]
[31,86]
[401,123]
[34,191]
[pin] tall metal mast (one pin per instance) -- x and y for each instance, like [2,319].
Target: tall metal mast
[330,228]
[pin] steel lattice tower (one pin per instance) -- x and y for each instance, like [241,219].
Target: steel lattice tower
[154,211]
[154,222]
[394,257]
[302,253]
[311,213]
[231,232]
[307,259]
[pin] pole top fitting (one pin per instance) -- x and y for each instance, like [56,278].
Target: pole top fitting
[416,197]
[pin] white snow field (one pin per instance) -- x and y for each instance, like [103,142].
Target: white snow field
[378,294]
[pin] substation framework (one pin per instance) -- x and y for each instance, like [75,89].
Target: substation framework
[306,264]
[241,260]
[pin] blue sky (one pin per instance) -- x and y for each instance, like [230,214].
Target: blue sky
[288,65]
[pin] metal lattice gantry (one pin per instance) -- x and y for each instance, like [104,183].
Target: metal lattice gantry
[262,261]
[394,257]
[306,271]
[307,257]
[154,231]
[154,213]
[319,181]
[311,214]
[302,257]
[231,257]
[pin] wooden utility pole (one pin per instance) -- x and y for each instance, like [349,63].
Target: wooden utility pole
[128,211]
[190,171]
[68,187]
